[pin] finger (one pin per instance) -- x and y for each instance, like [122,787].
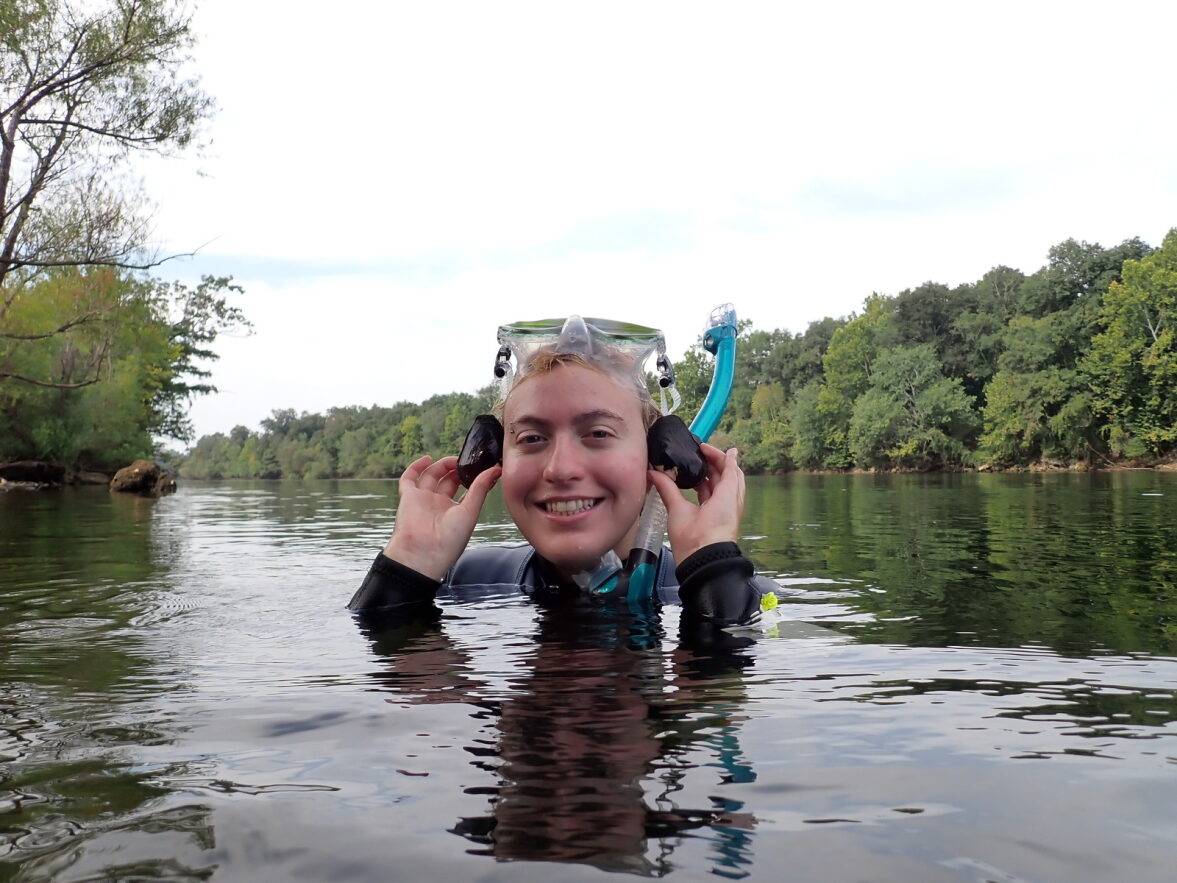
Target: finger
[732,467]
[726,478]
[742,479]
[704,490]
[447,463]
[711,452]
[448,484]
[432,478]
[726,465]
[716,461]
[672,498]
[733,485]
[413,473]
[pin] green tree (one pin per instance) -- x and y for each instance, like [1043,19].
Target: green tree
[142,346]
[912,416]
[457,423]
[1133,359]
[796,359]
[925,315]
[354,448]
[1039,404]
[96,358]
[83,86]
[194,317]
[765,437]
[807,427]
[978,328]
[412,441]
[692,379]
[1076,275]
[1034,415]
[847,364]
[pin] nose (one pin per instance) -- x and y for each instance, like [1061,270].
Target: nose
[565,460]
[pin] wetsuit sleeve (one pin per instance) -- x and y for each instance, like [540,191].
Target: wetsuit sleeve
[391,584]
[718,585]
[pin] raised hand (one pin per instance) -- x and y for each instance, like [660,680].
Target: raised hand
[716,518]
[432,528]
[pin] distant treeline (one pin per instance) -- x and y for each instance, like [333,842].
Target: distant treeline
[1074,364]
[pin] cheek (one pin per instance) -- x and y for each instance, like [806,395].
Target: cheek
[632,480]
[514,482]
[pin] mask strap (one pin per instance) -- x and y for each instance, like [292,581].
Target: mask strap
[675,400]
[665,382]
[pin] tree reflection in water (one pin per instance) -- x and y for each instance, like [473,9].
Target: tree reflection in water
[597,741]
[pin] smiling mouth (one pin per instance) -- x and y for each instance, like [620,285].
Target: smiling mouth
[568,507]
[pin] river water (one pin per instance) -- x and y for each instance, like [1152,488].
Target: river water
[976,681]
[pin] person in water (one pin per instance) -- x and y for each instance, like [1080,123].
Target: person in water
[574,471]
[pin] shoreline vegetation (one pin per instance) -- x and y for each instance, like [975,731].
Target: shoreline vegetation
[1072,367]
[99,358]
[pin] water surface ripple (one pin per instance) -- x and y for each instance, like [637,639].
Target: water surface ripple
[977,681]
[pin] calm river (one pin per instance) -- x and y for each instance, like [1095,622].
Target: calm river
[978,682]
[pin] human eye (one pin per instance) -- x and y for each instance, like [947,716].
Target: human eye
[529,438]
[600,433]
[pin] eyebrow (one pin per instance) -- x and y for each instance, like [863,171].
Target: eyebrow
[579,419]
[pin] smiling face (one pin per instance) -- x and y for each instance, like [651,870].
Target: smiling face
[574,464]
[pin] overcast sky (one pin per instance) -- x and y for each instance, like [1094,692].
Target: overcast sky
[390,182]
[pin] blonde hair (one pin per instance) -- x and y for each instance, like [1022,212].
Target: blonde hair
[546,360]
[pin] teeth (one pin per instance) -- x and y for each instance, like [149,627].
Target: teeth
[568,507]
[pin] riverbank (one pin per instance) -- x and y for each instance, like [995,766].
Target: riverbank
[141,477]
[1042,466]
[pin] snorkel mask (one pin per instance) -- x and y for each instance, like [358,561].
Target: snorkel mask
[617,349]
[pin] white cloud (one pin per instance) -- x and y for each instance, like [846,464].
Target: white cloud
[391,182]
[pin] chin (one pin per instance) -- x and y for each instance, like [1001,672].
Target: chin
[569,561]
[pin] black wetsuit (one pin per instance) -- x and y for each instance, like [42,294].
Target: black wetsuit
[717,585]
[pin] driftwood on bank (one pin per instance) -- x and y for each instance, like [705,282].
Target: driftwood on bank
[38,472]
[141,477]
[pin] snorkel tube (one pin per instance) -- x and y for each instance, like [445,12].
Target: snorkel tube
[637,577]
[720,340]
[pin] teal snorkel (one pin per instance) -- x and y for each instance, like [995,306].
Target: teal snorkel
[720,340]
[637,577]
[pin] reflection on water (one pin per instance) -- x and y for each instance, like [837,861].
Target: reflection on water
[596,707]
[1077,562]
[980,684]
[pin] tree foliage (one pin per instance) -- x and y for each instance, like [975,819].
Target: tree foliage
[96,357]
[1132,363]
[347,442]
[1072,363]
[911,416]
[98,393]
[847,371]
[82,87]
